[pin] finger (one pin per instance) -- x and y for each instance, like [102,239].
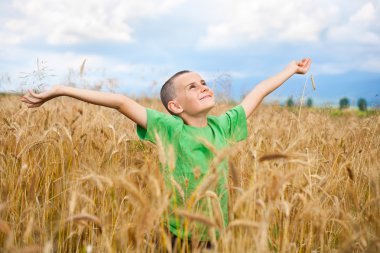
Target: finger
[34,105]
[28,100]
[304,62]
[301,63]
[29,105]
[307,64]
[25,99]
[33,94]
[306,67]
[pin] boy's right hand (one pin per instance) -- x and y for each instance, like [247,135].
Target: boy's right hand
[32,99]
[300,67]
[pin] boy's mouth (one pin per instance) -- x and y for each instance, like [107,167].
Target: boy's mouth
[207,96]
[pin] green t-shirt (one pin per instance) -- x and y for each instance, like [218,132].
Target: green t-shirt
[186,145]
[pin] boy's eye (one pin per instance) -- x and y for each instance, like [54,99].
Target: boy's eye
[192,87]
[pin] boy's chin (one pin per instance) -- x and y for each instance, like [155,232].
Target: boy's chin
[209,102]
[209,107]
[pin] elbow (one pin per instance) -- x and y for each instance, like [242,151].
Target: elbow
[261,93]
[120,102]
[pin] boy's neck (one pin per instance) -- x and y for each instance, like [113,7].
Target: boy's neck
[195,121]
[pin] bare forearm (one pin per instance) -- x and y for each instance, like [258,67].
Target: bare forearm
[269,85]
[94,97]
[123,104]
[256,96]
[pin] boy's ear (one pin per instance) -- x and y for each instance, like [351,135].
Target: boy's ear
[175,107]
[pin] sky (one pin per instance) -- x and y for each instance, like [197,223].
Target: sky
[134,46]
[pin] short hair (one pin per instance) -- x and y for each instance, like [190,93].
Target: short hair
[167,93]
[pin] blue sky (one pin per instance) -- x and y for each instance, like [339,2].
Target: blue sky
[236,43]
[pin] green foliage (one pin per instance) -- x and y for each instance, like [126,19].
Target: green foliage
[309,102]
[368,113]
[335,112]
[362,114]
[344,103]
[290,102]
[362,104]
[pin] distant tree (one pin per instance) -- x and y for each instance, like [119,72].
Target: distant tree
[290,102]
[309,102]
[344,103]
[362,104]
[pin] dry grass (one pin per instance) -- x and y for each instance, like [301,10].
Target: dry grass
[74,178]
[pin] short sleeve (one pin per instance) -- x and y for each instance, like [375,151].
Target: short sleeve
[234,123]
[158,123]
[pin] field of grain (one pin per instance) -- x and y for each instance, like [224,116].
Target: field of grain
[75,178]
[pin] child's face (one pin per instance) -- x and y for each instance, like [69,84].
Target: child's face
[193,94]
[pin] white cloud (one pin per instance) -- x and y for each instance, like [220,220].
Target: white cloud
[62,67]
[241,22]
[331,68]
[336,67]
[347,33]
[69,22]
[364,14]
[361,27]
[246,21]
[370,65]
[52,68]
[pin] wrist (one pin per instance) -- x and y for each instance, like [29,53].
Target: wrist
[58,90]
[291,68]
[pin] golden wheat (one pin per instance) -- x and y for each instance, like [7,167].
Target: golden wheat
[70,170]
[195,217]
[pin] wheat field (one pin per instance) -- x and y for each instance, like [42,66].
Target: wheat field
[75,178]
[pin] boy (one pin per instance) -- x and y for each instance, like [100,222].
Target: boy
[189,133]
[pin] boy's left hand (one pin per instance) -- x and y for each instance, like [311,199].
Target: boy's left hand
[300,67]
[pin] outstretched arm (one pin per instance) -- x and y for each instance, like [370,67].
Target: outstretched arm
[123,104]
[256,96]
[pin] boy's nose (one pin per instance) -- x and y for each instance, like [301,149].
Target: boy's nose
[204,88]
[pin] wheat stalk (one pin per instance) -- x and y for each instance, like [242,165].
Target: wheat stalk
[86,218]
[195,217]
[243,223]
